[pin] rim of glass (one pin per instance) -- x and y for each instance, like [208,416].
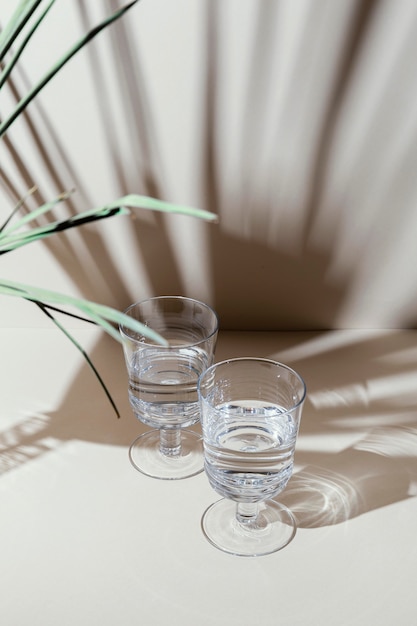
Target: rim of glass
[210,369]
[130,334]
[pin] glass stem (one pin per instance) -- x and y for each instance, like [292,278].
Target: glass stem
[247,513]
[170,441]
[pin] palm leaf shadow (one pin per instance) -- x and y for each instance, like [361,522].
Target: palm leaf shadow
[84,413]
[152,240]
[94,261]
[265,272]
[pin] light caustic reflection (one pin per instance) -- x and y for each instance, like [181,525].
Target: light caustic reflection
[378,470]
[319,497]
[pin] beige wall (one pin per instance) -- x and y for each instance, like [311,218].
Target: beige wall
[295,121]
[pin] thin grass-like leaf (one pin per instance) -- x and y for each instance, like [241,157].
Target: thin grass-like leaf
[59,64]
[10,238]
[122,206]
[10,65]
[16,23]
[67,313]
[17,208]
[97,312]
[29,217]
[100,321]
[7,244]
[45,310]
[135,201]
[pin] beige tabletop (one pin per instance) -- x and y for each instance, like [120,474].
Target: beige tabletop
[86,540]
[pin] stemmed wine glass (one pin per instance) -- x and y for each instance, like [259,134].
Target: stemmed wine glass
[250,415]
[163,383]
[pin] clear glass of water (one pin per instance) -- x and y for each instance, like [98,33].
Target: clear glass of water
[250,415]
[163,383]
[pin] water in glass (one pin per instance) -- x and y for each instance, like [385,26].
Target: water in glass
[249,451]
[163,385]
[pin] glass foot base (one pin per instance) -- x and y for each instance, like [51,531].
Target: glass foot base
[145,456]
[274,528]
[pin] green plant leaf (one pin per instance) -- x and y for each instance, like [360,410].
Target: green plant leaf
[59,64]
[153,204]
[99,313]
[16,23]
[10,65]
[45,310]
[10,237]
[9,243]
[16,208]
[29,217]
[124,205]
